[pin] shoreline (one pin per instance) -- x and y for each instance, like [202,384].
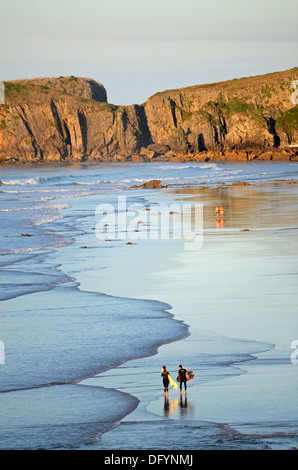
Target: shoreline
[245,366]
[250,155]
[157,196]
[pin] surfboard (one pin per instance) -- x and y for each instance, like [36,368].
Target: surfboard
[172,382]
[189,375]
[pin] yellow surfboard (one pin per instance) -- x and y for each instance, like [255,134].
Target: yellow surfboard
[172,382]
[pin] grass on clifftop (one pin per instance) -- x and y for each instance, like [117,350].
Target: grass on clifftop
[35,90]
[16,92]
[237,84]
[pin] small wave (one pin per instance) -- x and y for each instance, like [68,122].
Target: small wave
[174,167]
[31,181]
[47,219]
[208,166]
[87,183]
[195,165]
[133,180]
[15,251]
[54,206]
[22,209]
[35,191]
[184,166]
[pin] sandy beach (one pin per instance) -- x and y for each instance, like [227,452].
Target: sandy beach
[148,219]
[237,295]
[88,333]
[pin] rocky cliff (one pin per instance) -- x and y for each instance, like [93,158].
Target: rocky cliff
[69,119]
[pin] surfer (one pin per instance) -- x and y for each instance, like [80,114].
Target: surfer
[165,379]
[182,378]
[222,211]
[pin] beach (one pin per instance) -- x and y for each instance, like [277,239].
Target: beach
[89,318]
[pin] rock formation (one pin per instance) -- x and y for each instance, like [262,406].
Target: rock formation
[68,119]
[152,184]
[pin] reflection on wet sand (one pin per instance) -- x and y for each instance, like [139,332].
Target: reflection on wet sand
[220,221]
[177,406]
[246,206]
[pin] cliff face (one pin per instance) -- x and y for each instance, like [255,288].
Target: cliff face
[66,119]
[243,118]
[69,118]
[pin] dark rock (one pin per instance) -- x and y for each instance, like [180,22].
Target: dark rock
[152,184]
[160,149]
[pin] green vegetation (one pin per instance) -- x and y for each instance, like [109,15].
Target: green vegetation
[23,90]
[208,116]
[44,88]
[288,121]
[179,133]
[186,115]
[226,109]
[108,107]
[51,124]
[266,91]
[3,124]
[11,87]
[237,106]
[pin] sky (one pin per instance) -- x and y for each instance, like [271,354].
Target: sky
[136,48]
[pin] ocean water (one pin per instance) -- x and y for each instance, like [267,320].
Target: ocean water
[85,323]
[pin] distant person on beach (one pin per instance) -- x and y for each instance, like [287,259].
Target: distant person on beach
[219,211]
[220,223]
[182,378]
[165,379]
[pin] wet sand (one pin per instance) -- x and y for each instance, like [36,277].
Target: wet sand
[227,311]
[238,296]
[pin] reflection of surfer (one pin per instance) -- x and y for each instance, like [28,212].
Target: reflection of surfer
[220,217]
[183,405]
[165,379]
[166,405]
[182,378]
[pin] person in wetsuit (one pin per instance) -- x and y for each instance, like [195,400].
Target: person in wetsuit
[165,379]
[182,374]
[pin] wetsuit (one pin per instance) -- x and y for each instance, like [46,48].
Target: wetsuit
[182,373]
[165,379]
